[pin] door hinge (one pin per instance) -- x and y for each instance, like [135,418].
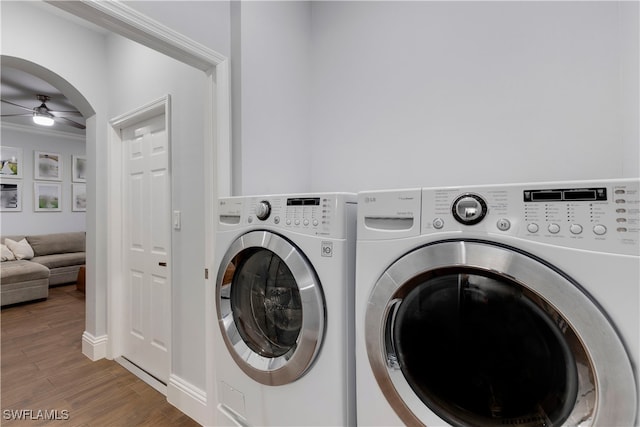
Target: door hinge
[206,273]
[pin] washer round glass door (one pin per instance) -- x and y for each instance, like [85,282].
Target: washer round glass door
[270,308]
[484,335]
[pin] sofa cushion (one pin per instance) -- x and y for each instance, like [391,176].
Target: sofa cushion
[61,260]
[57,243]
[7,255]
[22,271]
[21,249]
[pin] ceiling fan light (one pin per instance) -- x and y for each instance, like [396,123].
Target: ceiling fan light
[42,120]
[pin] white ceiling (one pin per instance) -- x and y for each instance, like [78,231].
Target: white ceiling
[22,88]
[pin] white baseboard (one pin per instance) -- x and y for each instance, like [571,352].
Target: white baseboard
[95,348]
[189,399]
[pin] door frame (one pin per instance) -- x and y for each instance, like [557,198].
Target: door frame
[131,24]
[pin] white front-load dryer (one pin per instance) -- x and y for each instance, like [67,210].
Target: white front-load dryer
[499,305]
[284,345]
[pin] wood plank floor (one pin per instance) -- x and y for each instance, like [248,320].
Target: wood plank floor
[44,371]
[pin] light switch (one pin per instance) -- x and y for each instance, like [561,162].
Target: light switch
[177,222]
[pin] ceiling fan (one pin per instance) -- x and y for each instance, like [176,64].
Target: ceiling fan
[42,115]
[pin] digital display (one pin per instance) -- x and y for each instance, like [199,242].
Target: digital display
[304,201]
[566,195]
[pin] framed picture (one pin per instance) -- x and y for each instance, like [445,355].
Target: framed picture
[79,197]
[47,197]
[47,166]
[11,164]
[11,196]
[79,168]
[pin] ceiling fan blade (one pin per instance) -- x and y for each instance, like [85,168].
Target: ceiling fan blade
[65,113]
[16,105]
[64,120]
[16,115]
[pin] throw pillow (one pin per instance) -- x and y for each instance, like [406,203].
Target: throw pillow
[21,249]
[7,255]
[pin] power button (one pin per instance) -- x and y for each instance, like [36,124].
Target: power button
[503,224]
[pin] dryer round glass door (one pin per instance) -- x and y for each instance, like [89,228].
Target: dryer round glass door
[484,335]
[270,308]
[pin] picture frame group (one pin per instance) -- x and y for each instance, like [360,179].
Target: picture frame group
[48,175]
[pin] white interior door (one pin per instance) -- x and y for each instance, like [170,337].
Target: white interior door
[147,243]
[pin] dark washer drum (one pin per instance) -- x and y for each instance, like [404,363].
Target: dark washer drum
[267,308]
[271,308]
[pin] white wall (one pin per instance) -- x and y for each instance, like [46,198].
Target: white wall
[28,221]
[138,76]
[448,93]
[360,95]
[271,82]
[630,86]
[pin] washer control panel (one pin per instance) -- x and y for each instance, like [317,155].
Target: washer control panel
[600,216]
[320,215]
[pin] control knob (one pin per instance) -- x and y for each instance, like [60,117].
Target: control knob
[263,210]
[469,209]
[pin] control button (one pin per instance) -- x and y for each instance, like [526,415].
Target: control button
[554,228]
[503,224]
[533,228]
[288,221]
[620,191]
[305,222]
[263,210]
[315,222]
[250,219]
[469,209]
[438,223]
[621,210]
[575,228]
[622,229]
[599,229]
[621,201]
[297,222]
[621,220]
[276,220]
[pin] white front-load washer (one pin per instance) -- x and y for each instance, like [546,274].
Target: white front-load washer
[285,288]
[499,305]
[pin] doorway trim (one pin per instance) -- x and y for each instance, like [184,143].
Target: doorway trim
[127,22]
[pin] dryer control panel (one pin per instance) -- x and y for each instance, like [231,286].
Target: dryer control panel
[322,214]
[591,215]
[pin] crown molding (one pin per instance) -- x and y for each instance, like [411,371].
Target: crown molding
[128,22]
[44,132]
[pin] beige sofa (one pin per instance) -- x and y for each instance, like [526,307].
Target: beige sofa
[56,260]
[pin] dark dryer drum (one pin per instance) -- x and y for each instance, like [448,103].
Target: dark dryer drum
[471,323]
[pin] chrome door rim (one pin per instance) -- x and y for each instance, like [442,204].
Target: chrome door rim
[295,363]
[615,386]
